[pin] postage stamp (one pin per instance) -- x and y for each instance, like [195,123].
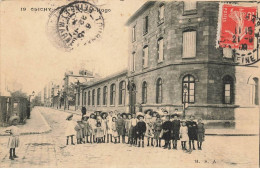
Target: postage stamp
[78,23]
[237,27]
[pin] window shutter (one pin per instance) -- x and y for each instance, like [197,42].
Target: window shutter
[189,44]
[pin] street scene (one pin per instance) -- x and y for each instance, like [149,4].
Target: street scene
[129,84]
[48,149]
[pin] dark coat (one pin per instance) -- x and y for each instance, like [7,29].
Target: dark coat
[167,127]
[192,130]
[140,128]
[176,124]
[120,124]
[83,110]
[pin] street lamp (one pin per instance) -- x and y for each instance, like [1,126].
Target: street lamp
[185,91]
[29,106]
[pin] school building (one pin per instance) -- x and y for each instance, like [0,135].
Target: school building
[173,60]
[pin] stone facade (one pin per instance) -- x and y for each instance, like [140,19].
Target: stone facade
[208,68]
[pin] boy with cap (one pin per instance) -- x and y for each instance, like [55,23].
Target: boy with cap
[175,130]
[192,131]
[140,129]
[120,128]
[167,127]
[132,131]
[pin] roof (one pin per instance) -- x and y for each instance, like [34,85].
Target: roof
[139,11]
[99,81]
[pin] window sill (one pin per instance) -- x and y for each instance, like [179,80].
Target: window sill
[159,62]
[133,41]
[121,105]
[188,57]
[190,12]
[145,33]
[112,105]
[160,22]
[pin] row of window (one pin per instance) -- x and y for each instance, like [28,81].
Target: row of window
[188,92]
[92,95]
[189,49]
[187,7]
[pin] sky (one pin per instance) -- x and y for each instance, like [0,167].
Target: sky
[29,58]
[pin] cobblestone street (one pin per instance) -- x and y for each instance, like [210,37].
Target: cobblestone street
[49,150]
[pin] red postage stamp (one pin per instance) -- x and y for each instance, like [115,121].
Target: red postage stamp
[237,27]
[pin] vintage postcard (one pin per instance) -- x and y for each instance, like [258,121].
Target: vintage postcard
[129,84]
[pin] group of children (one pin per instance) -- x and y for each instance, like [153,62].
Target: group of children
[131,129]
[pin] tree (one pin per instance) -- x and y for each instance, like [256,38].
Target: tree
[19,93]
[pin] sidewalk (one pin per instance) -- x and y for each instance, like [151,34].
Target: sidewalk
[36,125]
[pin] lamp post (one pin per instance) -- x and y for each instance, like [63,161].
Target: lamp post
[185,91]
[29,105]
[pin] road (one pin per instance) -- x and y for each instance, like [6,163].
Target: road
[49,150]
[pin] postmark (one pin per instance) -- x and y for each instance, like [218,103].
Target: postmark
[237,33]
[76,24]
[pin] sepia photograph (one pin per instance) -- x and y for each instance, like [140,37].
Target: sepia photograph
[129,84]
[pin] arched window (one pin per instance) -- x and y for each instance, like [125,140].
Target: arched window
[188,89]
[144,92]
[228,90]
[255,98]
[89,98]
[160,50]
[105,95]
[159,91]
[112,94]
[93,97]
[85,98]
[122,91]
[98,96]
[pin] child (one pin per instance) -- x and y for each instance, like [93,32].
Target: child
[157,127]
[200,133]
[132,131]
[99,132]
[149,129]
[192,131]
[184,135]
[127,127]
[175,130]
[92,124]
[167,127]
[86,128]
[109,126]
[114,129]
[13,141]
[140,130]
[104,125]
[79,133]
[120,128]
[70,129]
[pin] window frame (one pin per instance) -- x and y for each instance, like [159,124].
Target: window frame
[161,20]
[144,92]
[98,96]
[93,97]
[183,45]
[134,33]
[145,59]
[145,25]
[89,98]
[132,62]
[159,90]
[159,60]
[105,93]
[122,92]
[228,80]
[189,82]
[112,94]
[190,11]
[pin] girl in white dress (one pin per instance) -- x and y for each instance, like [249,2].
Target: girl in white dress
[13,141]
[184,135]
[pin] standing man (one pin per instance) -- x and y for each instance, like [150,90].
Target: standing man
[83,111]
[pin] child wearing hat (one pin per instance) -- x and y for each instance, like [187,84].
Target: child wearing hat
[192,131]
[13,141]
[109,126]
[184,135]
[167,127]
[99,132]
[70,129]
[104,125]
[200,133]
[92,124]
[114,129]
[157,127]
[149,129]
[85,129]
[140,129]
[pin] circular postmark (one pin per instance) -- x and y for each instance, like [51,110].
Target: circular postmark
[76,24]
